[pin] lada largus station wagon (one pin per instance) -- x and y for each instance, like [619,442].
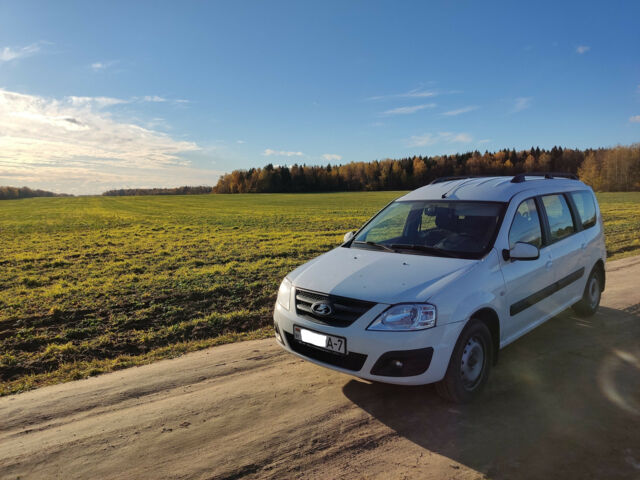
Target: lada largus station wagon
[431,287]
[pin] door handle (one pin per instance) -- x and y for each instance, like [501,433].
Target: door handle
[549,264]
[583,246]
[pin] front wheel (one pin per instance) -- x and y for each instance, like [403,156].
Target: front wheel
[469,365]
[590,301]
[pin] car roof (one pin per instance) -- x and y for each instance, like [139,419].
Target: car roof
[492,189]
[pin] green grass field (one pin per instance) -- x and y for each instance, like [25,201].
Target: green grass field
[99,283]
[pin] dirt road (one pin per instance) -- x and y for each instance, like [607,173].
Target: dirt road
[563,402]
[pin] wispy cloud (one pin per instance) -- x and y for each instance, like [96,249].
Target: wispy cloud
[102,102]
[635,119]
[416,93]
[240,142]
[47,139]
[95,102]
[160,99]
[521,103]
[332,157]
[408,110]
[154,99]
[100,66]
[582,49]
[428,139]
[484,140]
[8,54]
[281,153]
[460,111]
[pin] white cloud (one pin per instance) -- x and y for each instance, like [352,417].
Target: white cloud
[408,110]
[332,157]
[521,103]
[154,98]
[159,99]
[460,111]
[428,139]
[102,102]
[581,49]
[635,119]
[12,53]
[100,66]
[416,93]
[459,138]
[282,153]
[94,102]
[76,138]
[484,140]
[240,142]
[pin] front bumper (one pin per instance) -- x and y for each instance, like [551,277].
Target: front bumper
[372,355]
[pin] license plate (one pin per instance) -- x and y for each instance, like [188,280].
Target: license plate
[321,340]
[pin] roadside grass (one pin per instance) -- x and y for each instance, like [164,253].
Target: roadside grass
[94,284]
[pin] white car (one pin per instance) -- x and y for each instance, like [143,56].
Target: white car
[439,280]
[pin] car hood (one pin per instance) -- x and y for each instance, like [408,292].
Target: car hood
[378,276]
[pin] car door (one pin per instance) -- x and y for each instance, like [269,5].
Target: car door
[526,281]
[566,242]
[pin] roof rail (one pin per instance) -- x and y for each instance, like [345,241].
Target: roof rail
[449,179]
[520,177]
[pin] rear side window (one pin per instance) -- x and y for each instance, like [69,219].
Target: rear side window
[559,215]
[526,225]
[586,208]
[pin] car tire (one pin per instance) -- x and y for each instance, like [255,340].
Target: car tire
[469,366]
[590,301]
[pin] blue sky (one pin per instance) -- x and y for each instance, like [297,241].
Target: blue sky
[97,95]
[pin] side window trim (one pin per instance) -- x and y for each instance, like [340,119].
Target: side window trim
[577,222]
[544,221]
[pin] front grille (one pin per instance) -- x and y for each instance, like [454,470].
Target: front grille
[351,361]
[345,310]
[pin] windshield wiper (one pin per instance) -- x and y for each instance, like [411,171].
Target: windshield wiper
[424,248]
[379,245]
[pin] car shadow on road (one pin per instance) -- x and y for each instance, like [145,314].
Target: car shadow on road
[563,402]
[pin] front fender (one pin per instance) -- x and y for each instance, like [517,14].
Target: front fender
[482,287]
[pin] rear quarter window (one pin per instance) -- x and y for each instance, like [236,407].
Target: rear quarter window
[586,208]
[559,216]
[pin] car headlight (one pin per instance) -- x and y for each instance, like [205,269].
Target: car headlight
[284,294]
[405,317]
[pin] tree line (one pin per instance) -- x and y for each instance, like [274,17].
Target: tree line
[12,193]
[186,190]
[605,169]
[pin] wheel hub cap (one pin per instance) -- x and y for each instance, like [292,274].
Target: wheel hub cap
[472,362]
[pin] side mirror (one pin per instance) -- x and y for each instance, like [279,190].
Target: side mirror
[522,251]
[348,236]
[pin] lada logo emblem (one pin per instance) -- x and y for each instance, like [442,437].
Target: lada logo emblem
[321,308]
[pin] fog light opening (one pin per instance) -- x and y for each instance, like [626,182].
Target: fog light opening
[278,336]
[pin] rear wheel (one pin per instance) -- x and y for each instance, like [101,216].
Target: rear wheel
[590,301]
[469,365]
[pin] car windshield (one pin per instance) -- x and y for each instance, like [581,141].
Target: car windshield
[433,227]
